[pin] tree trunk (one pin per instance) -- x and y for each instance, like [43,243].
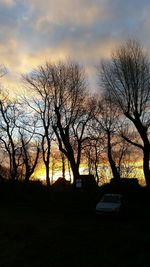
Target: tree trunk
[13,169]
[30,169]
[95,163]
[146,170]
[69,171]
[63,165]
[47,174]
[96,173]
[146,148]
[111,161]
[46,156]
[27,174]
[75,171]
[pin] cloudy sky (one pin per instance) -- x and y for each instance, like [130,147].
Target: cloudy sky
[34,31]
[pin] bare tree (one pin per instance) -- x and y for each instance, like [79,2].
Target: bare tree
[41,106]
[30,151]
[9,114]
[72,111]
[61,101]
[91,153]
[127,77]
[108,119]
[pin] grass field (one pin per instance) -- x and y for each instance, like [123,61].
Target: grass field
[60,229]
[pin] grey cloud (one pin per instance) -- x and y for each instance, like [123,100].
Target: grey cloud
[83,29]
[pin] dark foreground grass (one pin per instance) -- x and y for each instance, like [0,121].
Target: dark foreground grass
[58,229]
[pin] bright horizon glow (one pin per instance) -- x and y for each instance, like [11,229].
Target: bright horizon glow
[40,173]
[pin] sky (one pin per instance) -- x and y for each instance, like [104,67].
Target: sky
[35,31]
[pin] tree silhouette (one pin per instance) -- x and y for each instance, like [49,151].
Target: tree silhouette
[62,104]
[30,151]
[9,115]
[41,106]
[73,111]
[108,119]
[127,77]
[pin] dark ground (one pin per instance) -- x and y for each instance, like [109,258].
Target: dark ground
[41,228]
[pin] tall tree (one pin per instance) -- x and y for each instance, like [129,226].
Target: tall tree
[62,102]
[72,111]
[40,103]
[108,119]
[127,77]
[9,114]
[92,152]
[30,151]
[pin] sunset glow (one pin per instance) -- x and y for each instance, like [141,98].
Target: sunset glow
[74,133]
[104,173]
[34,32]
[40,174]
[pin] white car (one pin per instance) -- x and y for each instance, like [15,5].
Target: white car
[110,204]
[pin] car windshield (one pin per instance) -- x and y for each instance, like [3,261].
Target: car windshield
[111,199]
